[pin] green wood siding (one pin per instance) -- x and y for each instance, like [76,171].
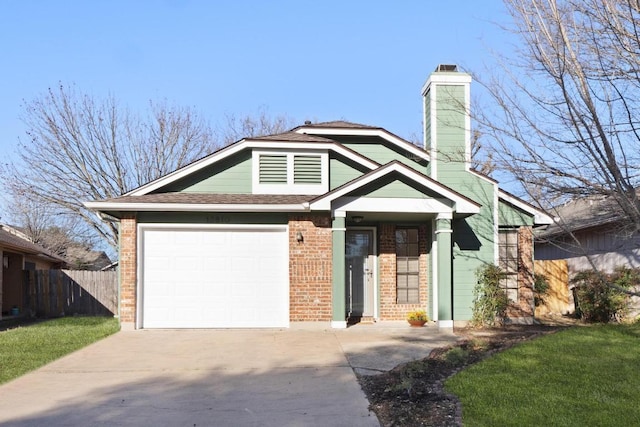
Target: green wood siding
[381,151]
[509,215]
[232,175]
[473,240]
[213,217]
[342,171]
[397,189]
[450,128]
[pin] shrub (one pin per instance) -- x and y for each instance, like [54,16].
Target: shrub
[600,296]
[490,300]
[540,288]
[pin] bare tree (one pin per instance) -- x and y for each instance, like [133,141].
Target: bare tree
[235,128]
[80,148]
[566,123]
[566,119]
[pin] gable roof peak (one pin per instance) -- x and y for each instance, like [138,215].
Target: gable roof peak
[338,124]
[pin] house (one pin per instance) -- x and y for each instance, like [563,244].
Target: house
[18,253]
[334,222]
[587,232]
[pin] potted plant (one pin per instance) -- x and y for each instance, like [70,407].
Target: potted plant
[417,318]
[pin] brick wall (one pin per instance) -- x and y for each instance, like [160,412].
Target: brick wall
[389,309]
[128,265]
[310,268]
[525,306]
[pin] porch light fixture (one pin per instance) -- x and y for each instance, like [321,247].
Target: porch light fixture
[5,261]
[357,218]
[299,237]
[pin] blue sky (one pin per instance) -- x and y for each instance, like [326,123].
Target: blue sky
[363,61]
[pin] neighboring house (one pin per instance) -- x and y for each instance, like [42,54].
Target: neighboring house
[334,222]
[598,240]
[18,253]
[81,258]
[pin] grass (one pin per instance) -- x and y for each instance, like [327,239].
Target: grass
[26,348]
[577,377]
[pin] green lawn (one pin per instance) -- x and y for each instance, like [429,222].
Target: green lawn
[583,376]
[26,348]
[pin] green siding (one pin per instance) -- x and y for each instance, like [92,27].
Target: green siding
[342,171]
[509,215]
[397,189]
[450,128]
[381,151]
[232,175]
[213,218]
[473,240]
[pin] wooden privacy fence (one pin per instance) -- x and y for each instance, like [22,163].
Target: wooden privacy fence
[57,292]
[558,299]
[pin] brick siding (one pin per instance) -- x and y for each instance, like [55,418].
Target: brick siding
[389,309]
[525,306]
[310,268]
[128,265]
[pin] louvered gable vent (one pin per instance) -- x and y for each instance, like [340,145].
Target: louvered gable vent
[273,169]
[307,170]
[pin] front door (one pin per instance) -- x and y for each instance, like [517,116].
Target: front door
[359,269]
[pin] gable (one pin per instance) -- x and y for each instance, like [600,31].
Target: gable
[511,216]
[383,151]
[229,175]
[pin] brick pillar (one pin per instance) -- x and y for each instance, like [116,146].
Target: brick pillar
[128,272]
[526,302]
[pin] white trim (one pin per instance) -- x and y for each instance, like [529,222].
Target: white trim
[539,217]
[382,133]
[290,187]
[454,78]
[339,324]
[444,215]
[339,229]
[444,231]
[195,207]
[445,324]
[391,204]
[242,145]
[434,271]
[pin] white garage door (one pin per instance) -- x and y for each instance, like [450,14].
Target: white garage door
[215,277]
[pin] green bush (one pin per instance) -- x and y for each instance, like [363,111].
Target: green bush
[540,288]
[490,301]
[600,296]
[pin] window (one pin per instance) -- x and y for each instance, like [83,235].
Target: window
[407,266]
[508,261]
[277,172]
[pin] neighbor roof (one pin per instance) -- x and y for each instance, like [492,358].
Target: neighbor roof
[13,242]
[583,213]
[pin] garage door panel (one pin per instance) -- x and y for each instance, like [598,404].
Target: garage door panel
[215,278]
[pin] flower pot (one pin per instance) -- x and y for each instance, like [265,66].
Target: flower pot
[417,323]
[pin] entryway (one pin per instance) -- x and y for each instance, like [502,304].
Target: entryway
[360,270]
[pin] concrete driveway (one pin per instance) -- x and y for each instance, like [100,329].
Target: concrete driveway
[303,376]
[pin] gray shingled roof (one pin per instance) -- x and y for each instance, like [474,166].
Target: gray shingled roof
[292,137]
[582,213]
[15,243]
[339,124]
[214,199]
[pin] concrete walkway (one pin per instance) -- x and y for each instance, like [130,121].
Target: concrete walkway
[303,376]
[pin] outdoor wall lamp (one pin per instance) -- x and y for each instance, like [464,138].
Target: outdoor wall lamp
[299,237]
[357,218]
[5,261]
